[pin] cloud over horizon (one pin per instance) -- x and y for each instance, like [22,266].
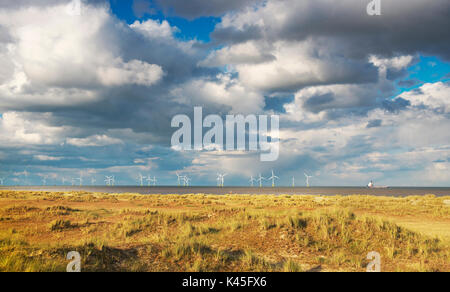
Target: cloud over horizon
[96,93]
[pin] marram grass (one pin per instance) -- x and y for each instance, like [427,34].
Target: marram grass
[132,232]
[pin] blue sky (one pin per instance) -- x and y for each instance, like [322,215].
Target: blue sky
[93,94]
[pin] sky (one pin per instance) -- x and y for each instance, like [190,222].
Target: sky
[93,93]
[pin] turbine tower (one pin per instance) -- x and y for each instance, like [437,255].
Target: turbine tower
[141,179]
[25,173]
[187,180]
[109,181]
[179,178]
[44,180]
[260,180]
[2,181]
[63,181]
[155,181]
[273,178]
[149,180]
[307,179]
[252,181]
[93,181]
[221,179]
[81,179]
[293,181]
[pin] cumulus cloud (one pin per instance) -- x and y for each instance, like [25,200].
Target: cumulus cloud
[434,96]
[92,81]
[93,141]
[52,53]
[222,92]
[347,23]
[17,129]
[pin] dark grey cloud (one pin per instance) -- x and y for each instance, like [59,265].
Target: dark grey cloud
[233,35]
[405,27]
[318,103]
[374,124]
[396,105]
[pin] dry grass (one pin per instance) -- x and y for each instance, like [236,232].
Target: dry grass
[131,232]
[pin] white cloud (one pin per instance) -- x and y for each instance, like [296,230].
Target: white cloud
[432,95]
[133,72]
[47,158]
[57,59]
[155,29]
[93,141]
[246,53]
[17,129]
[286,65]
[225,90]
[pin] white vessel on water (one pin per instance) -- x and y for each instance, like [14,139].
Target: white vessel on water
[371,185]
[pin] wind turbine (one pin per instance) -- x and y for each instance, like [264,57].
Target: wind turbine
[81,179]
[2,181]
[293,181]
[221,179]
[252,181]
[187,180]
[149,180]
[307,179]
[179,178]
[155,181]
[273,178]
[109,180]
[25,173]
[93,181]
[260,180]
[63,181]
[44,180]
[141,179]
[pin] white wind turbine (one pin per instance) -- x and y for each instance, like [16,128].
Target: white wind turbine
[260,180]
[221,179]
[25,173]
[63,181]
[155,181]
[141,179]
[109,180]
[44,180]
[293,181]
[93,181]
[307,179]
[273,178]
[2,180]
[187,180]
[149,180]
[113,180]
[179,177]
[80,179]
[252,181]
